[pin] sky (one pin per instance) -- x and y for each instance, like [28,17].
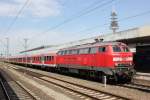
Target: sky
[51,22]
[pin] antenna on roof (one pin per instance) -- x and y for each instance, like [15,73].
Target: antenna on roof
[99,39]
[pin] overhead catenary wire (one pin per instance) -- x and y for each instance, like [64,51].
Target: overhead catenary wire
[16,17]
[95,6]
[122,19]
[126,18]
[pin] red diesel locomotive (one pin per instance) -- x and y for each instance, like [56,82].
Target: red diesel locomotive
[112,59]
[97,59]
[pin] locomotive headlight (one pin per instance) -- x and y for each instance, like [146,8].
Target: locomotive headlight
[117,59]
[129,58]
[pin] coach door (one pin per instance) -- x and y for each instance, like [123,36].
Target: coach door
[42,60]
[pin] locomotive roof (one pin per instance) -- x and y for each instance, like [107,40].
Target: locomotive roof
[94,44]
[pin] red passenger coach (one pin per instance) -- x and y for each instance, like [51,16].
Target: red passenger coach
[97,59]
[42,60]
[48,60]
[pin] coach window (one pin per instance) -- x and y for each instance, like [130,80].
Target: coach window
[59,53]
[93,50]
[45,58]
[63,52]
[52,57]
[49,58]
[66,52]
[102,49]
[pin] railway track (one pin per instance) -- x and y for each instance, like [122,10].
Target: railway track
[13,90]
[3,92]
[137,86]
[75,89]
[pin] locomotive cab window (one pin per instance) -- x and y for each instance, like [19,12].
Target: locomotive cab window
[125,49]
[102,49]
[116,49]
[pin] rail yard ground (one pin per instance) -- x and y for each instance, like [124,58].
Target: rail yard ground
[41,89]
